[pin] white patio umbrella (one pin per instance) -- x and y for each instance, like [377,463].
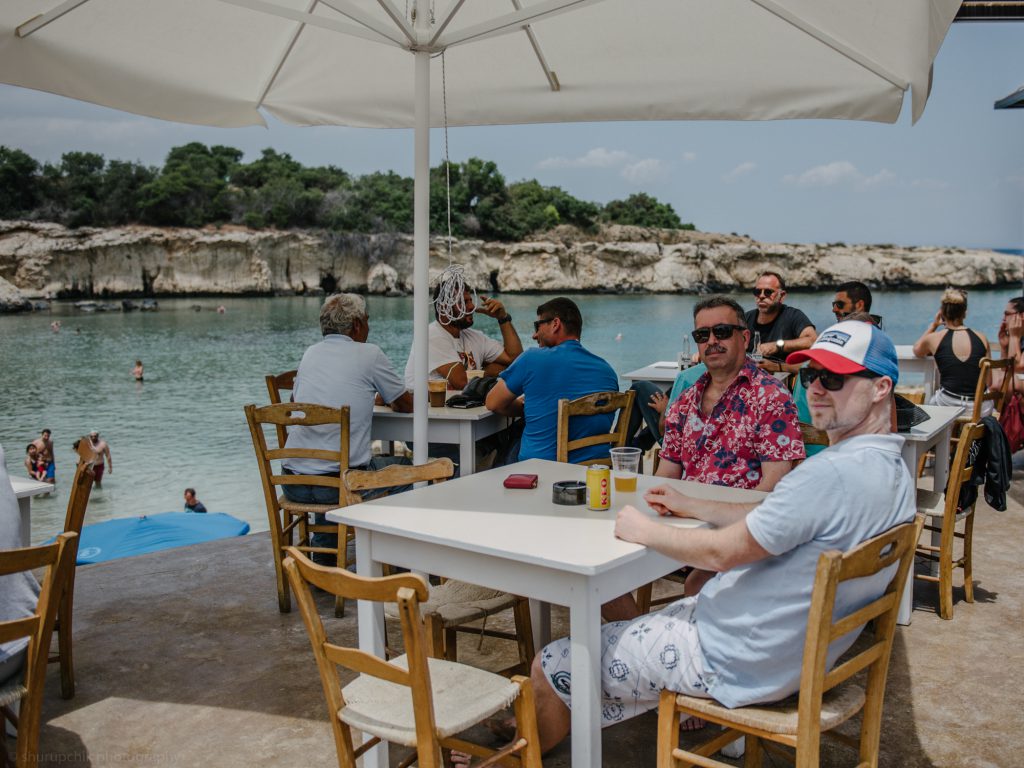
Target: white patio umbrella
[348,62]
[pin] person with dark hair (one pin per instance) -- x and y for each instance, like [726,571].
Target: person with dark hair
[782,328]
[1011,340]
[455,347]
[44,444]
[851,296]
[957,350]
[192,504]
[35,467]
[539,378]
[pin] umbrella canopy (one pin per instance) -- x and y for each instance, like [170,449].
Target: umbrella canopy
[347,62]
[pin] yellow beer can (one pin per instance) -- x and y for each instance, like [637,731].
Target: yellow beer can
[599,487]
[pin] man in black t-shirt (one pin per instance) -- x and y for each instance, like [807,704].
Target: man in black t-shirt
[783,329]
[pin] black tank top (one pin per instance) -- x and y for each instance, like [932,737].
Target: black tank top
[956,376]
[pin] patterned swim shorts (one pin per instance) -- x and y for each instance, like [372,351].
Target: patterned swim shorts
[639,658]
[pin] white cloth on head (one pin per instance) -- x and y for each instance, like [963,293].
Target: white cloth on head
[19,592]
[335,372]
[472,348]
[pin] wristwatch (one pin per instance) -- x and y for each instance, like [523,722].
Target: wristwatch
[780,345]
[506,319]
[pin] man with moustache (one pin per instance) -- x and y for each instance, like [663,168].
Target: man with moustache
[455,347]
[784,329]
[740,641]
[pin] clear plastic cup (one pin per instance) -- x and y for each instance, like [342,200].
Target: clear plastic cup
[625,467]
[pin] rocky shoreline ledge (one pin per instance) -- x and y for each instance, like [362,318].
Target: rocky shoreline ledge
[48,260]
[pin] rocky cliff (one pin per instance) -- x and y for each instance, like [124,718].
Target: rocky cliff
[51,260]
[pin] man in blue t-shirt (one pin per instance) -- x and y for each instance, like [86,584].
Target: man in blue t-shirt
[539,378]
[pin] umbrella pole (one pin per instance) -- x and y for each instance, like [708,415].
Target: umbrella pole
[421,241]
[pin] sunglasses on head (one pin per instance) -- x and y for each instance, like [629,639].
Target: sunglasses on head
[721,330]
[538,323]
[833,382]
[766,292]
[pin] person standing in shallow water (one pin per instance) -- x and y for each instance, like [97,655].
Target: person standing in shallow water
[102,450]
[192,504]
[137,371]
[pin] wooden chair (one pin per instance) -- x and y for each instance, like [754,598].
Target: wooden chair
[412,700]
[78,501]
[286,517]
[944,513]
[591,405]
[453,604]
[275,385]
[57,559]
[822,703]
[982,393]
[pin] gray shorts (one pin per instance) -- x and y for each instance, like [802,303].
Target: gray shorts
[639,659]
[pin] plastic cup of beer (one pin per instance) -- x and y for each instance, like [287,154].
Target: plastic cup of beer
[625,466]
[437,391]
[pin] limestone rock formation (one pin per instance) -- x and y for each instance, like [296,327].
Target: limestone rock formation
[51,260]
[11,299]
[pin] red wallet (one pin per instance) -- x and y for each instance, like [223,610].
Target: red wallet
[521,481]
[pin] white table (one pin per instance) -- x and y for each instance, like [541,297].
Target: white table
[923,367]
[662,372]
[475,530]
[933,434]
[457,426]
[24,489]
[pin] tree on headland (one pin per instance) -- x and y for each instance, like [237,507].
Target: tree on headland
[199,185]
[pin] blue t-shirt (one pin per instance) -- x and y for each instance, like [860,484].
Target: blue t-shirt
[545,375]
[752,620]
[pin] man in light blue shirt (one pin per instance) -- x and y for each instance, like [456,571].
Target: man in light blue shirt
[740,640]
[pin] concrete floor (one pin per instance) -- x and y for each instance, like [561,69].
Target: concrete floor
[183,660]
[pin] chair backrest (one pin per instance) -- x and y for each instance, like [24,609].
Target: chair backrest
[592,405]
[436,471]
[894,547]
[960,471]
[407,590]
[296,415]
[983,394]
[57,559]
[275,385]
[812,435]
[81,488]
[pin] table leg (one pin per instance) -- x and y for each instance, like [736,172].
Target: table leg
[467,449]
[585,639]
[371,630]
[25,508]
[911,453]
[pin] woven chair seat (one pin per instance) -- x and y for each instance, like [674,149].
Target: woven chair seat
[298,508]
[463,696]
[933,504]
[837,706]
[12,692]
[457,602]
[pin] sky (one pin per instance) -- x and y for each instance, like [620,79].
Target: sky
[954,179]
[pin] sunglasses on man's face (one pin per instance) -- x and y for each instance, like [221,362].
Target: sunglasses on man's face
[766,292]
[721,330]
[538,323]
[833,382]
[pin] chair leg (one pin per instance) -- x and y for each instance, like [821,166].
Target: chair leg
[968,568]
[451,645]
[67,662]
[643,598]
[668,729]
[284,598]
[752,752]
[435,636]
[526,723]
[946,570]
[524,633]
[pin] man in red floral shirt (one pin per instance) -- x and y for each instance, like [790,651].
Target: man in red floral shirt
[737,425]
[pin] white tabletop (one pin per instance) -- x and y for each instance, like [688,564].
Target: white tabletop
[661,372]
[452,414]
[24,487]
[941,417]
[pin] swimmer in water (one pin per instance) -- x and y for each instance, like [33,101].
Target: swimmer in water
[137,370]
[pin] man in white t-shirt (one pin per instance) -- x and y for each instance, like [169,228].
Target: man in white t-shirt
[455,347]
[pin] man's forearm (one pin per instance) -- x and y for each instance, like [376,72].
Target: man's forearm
[510,340]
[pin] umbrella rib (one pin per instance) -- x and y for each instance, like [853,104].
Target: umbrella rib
[398,18]
[313,21]
[539,52]
[346,9]
[839,47]
[41,20]
[449,14]
[511,22]
[284,57]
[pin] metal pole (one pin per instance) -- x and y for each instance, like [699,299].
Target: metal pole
[421,238]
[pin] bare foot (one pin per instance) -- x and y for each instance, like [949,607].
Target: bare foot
[692,723]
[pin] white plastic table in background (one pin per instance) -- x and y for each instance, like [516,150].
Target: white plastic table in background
[662,372]
[24,489]
[931,435]
[475,530]
[457,426]
[923,367]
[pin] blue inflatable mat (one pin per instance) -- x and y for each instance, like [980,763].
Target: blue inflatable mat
[129,536]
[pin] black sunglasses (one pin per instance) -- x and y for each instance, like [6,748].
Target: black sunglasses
[833,382]
[538,323]
[766,292]
[722,331]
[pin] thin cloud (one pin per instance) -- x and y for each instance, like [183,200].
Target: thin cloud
[644,171]
[932,185]
[689,157]
[739,171]
[598,157]
[839,172]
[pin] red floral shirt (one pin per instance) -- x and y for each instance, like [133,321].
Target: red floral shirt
[754,421]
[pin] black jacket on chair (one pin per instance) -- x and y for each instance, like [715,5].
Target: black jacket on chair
[992,468]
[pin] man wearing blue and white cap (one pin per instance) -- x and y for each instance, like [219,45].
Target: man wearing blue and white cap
[740,640]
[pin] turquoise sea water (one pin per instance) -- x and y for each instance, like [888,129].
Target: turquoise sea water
[184,425]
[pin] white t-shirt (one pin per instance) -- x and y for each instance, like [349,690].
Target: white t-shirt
[472,348]
[335,372]
[752,620]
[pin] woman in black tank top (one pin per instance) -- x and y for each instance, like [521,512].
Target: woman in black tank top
[957,350]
